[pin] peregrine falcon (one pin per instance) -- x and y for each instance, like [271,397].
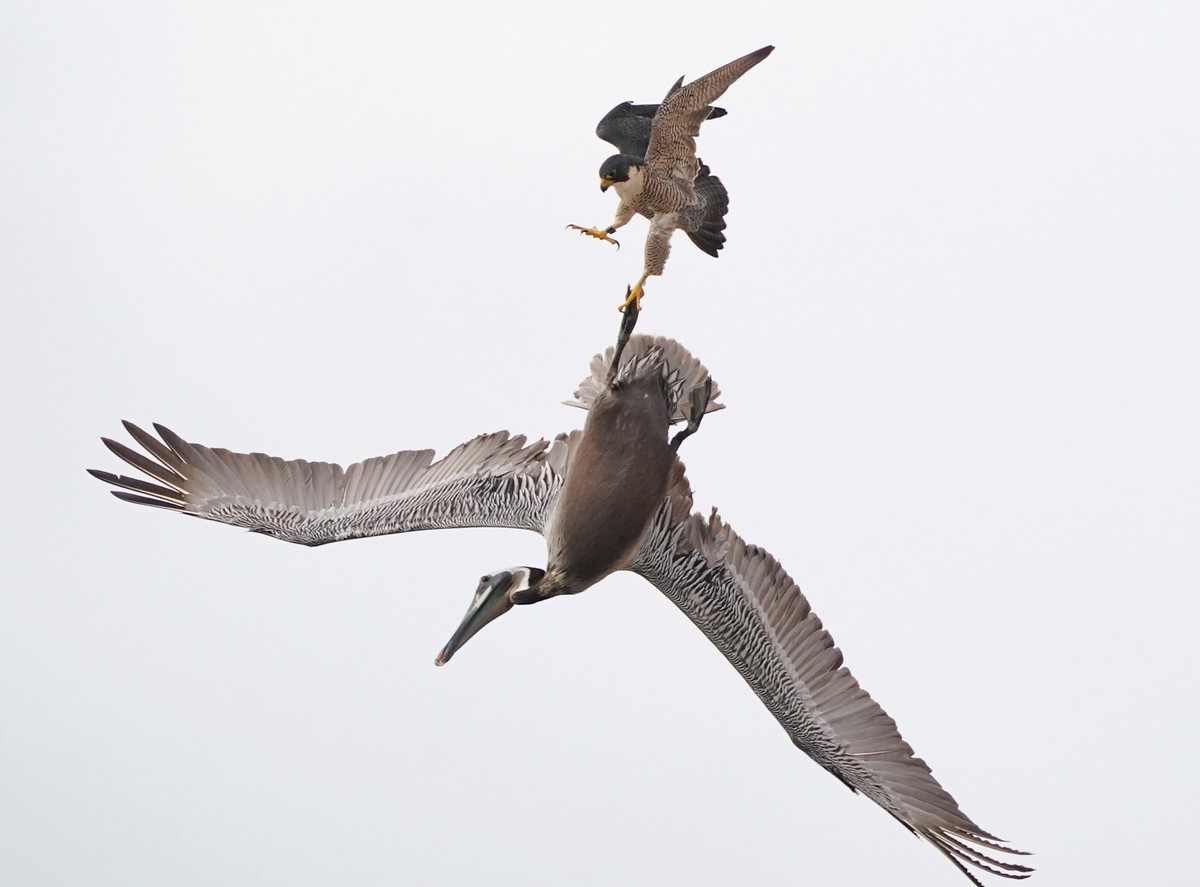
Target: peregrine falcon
[657,173]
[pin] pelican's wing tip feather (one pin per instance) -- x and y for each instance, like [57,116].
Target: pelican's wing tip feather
[744,601]
[682,371]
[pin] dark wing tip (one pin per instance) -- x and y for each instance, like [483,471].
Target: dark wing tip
[169,436]
[962,854]
[146,500]
[120,449]
[159,495]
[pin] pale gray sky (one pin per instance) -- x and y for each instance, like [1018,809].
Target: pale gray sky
[955,324]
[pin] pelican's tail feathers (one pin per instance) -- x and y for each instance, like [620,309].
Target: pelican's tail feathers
[682,373]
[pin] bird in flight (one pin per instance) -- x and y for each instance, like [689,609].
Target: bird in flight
[657,173]
[613,496]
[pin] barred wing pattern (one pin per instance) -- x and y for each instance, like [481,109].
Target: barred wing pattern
[672,148]
[494,480]
[748,606]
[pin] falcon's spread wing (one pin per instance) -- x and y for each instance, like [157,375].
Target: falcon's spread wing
[627,126]
[748,606]
[494,480]
[672,147]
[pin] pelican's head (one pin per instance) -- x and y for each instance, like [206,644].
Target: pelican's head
[493,598]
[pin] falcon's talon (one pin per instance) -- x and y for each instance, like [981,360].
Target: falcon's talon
[633,297]
[598,233]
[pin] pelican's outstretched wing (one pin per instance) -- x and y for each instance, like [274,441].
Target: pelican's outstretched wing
[492,481]
[672,148]
[749,607]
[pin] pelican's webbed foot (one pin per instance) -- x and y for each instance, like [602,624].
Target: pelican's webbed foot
[693,410]
[598,233]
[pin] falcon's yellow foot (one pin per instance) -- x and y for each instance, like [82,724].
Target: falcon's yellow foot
[633,296]
[598,233]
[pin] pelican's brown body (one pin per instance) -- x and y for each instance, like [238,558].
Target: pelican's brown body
[616,480]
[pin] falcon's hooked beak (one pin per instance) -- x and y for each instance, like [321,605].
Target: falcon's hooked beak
[493,598]
[605,182]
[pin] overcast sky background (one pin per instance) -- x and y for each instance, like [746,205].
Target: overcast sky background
[955,324]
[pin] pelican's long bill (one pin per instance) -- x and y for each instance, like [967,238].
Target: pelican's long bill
[493,598]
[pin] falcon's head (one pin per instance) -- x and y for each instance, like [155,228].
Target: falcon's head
[618,169]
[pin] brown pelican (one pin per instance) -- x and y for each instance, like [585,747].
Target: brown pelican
[612,497]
